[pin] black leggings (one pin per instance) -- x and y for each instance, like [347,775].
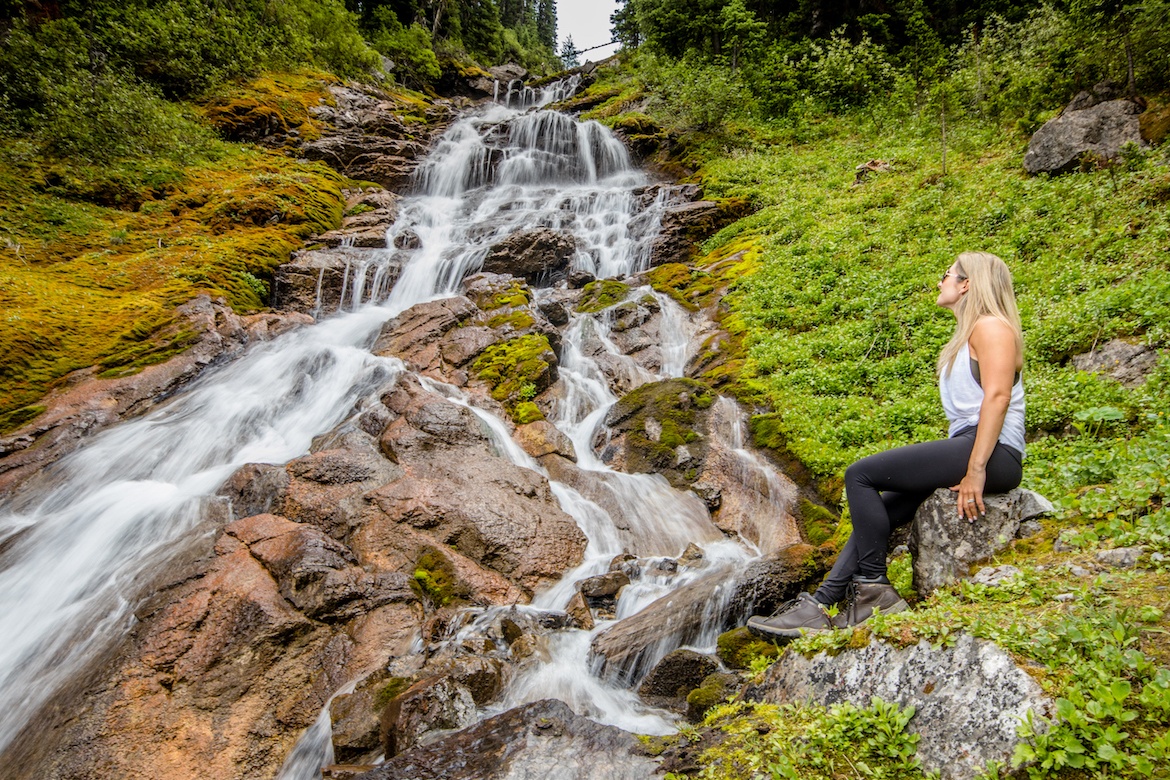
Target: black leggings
[886,489]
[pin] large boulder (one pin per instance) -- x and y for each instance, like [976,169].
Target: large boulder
[544,739]
[968,699]
[1101,130]
[944,546]
[223,667]
[540,256]
[686,225]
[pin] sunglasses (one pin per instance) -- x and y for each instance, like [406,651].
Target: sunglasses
[947,273]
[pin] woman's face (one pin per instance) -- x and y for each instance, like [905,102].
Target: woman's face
[951,288]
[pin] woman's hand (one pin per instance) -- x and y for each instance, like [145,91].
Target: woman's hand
[970,492]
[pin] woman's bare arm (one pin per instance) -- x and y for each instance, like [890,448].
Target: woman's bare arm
[993,344]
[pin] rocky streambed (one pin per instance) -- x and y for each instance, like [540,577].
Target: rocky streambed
[484,519]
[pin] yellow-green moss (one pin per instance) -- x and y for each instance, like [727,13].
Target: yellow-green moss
[601,294]
[526,412]
[275,101]
[517,319]
[516,370]
[72,297]
[390,690]
[739,647]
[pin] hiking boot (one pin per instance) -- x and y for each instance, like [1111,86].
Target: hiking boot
[865,597]
[802,614]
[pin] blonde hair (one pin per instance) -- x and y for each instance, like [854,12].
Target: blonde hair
[989,294]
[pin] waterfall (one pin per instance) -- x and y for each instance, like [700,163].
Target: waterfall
[81,546]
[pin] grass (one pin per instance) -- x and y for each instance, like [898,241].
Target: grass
[838,333]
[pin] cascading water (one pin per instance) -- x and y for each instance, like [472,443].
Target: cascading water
[81,546]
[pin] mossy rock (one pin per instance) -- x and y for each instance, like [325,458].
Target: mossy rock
[601,294]
[738,647]
[636,123]
[716,689]
[653,421]
[435,578]
[693,288]
[516,370]
[819,524]
[513,293]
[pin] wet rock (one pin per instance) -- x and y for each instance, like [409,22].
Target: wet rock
[317,574]
[685,225]
[1100,130]
[631,647]
[255,489]
[676,675]
[579,612]
[1130,364]
[692,557]
[540,256]
[357,722]
[603,585]
[968,699]
[314,281]
[414,335]
[578,278]
[752,497]
[544,739]
[944,546]
[434,704]
[85,404]
[1121,557]
[542,438]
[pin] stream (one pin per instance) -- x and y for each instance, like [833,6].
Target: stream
[104,522]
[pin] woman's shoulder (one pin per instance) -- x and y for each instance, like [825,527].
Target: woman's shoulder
[991,327]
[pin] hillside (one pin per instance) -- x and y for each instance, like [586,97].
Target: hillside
[830,309]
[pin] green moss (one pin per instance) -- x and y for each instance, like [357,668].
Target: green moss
[20,417]
[490,298]
[669,409]
[391,689]
[360,208]
[74,299]
[435,577]
[818,523]
[714,690]
[738,648]
[269,103]
[601,294]
[526,412]
[691,287]
[516,319]
[517,369]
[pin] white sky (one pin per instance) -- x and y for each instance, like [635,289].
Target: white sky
[588,22]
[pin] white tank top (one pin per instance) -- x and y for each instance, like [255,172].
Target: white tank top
[962,397]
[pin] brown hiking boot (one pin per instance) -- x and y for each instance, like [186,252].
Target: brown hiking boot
[802,614]
[864,598]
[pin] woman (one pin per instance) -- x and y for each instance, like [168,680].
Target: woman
[979,381]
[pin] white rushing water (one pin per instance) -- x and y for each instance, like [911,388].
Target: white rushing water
[108,518]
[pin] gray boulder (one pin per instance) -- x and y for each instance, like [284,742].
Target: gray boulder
[1100,129]
[968,699]
[1129,364]
[544,739]
[944,545]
